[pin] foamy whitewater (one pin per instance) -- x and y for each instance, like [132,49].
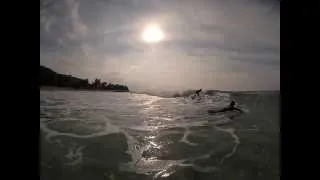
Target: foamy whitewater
[108,135]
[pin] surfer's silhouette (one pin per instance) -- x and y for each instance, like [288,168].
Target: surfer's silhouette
[196,94]
[198,91]
[229,108]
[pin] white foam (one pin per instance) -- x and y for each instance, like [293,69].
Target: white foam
[134,148]
[185,138]
[165,172]
[142,165]
[162,168]
[75,155]
[108,129]
[236,141]
[145,166]
[199,168]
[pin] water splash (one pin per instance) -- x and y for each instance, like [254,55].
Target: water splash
[231,131]
[75,155]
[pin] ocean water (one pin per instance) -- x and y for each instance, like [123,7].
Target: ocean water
[115,136]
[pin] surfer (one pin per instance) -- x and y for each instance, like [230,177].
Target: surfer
[229,108]
[198,91]
[196,94]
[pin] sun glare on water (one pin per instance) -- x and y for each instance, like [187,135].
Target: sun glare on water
[152,34]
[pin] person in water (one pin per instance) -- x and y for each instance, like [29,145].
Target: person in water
[229,108]
[198,91]
[196,94]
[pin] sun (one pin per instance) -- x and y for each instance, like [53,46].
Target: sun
[152,34]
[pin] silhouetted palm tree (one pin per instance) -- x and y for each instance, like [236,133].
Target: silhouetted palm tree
[103,85]
[97,83]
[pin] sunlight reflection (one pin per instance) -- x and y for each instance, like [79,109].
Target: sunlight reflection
[155,145]
[150,137]
[169,170]
[151,100]
[165,175]
[154,119]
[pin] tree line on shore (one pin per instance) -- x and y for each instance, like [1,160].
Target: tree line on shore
[50,78]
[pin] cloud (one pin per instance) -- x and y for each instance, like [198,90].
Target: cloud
[216,43]
[78,28]
[49,22]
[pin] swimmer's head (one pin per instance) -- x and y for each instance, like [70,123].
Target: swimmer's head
[232,103]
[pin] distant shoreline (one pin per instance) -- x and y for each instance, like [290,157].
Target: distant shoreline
[51,80]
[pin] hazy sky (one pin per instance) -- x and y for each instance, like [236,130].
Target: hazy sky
[209,44]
